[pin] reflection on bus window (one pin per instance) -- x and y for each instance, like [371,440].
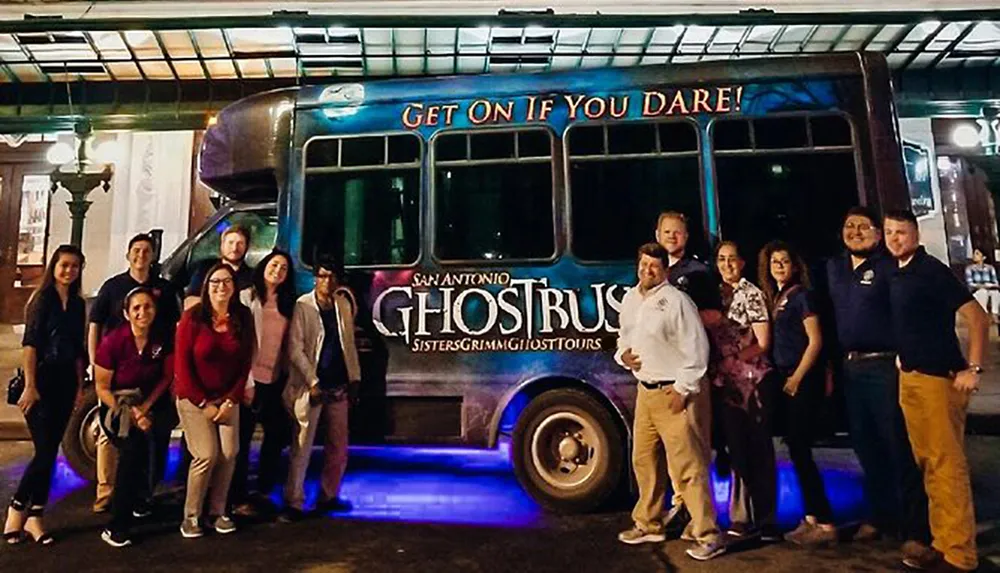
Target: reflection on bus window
[789,178]
[493,196]
[622,176]
[362,200]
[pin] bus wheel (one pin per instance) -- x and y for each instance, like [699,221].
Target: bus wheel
[568,451]
[79,443]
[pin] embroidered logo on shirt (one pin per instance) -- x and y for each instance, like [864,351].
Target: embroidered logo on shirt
[868,277]
[662,304]
[155,351]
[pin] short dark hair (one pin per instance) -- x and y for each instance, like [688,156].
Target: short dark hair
[142,238]
[328,262]
[656,251]
[902,215]
[867,213]
[237,229]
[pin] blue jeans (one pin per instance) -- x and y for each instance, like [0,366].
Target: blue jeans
[893,483]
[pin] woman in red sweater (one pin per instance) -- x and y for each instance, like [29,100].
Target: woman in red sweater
[214,348]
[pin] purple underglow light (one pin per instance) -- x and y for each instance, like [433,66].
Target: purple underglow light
[454,485]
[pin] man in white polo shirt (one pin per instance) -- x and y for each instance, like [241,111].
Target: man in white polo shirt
[662,341]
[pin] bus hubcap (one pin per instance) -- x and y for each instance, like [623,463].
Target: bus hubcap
[565,450]
[89,431]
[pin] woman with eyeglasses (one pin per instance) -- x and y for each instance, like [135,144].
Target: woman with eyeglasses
[271,300]
[215,342]
[798,343]
[133,368]
[55,358]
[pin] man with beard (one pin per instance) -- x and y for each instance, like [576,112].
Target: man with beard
[233,245]
[859,282]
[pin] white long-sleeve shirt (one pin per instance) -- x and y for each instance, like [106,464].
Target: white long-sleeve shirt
[664,329]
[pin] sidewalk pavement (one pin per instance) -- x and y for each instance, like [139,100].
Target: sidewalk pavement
[984,407]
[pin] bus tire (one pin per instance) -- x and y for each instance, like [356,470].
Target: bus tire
[568,451]
[79,443]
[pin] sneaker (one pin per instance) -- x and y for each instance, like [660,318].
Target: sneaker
[191,529]
[635,536]
[706,550]
[142,511]
[867,532]
[918,556]
[291,515]
[334,505]
[223,524]
[770,534]
[115,539]
[743,531]
[809,534]
[676,521]
[245,510]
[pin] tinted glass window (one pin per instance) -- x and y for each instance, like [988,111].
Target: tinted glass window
[495,211]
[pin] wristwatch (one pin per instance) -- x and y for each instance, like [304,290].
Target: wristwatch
[975,368]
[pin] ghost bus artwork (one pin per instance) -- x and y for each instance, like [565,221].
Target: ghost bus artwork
[488,226]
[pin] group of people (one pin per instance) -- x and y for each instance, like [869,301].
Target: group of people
[244,351]
[714,353]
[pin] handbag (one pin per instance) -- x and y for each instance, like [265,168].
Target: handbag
[15,387]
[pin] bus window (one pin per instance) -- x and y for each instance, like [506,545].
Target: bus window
[493,196]
[789,178]
[362,199]
[622,175]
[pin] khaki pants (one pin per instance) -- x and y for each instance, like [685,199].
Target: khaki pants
[306,419]
[935,419]
[700,418]
[107,466]
[213,450]
[657,431]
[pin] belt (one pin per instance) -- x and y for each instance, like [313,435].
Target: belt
[852,356]
[656,385]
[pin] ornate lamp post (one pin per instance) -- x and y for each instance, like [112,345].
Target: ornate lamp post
[79,176]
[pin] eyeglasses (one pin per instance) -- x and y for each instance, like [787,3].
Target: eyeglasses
[220,283]
[324,278]
[862,228]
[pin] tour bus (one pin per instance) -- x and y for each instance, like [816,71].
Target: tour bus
[488,226]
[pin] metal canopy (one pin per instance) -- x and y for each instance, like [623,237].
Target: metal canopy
[307,48]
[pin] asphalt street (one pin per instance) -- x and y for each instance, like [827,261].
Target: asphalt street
[452,510]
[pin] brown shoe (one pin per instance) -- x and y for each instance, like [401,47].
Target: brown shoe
[918,556]
[102,506]
[245,510]
[867,532]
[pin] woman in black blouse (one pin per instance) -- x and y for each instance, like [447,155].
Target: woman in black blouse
[54,360]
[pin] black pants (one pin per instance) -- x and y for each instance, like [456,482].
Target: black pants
[47,422]
[747,434]
[893,482]
[131,479]
[164,413]
[802,423]
[269,411]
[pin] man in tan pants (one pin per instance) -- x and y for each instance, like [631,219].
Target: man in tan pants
[662,341]
[935,383]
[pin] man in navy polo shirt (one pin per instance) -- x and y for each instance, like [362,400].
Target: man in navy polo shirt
[935,384]
[859,288]
[672,234]
[106,314]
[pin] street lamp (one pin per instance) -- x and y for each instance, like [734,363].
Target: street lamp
[78,175]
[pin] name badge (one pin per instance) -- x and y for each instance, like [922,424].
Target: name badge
[868,278]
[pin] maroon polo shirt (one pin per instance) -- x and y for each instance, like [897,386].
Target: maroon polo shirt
[132,369]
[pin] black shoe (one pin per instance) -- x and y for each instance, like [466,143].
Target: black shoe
[116,538]
[291,515]
[334,505]
[142,511]
[771,534]
[676,521]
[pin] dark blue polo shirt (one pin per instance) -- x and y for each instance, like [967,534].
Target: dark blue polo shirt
[794,305]
[679,273]
[924,297]
[861,302]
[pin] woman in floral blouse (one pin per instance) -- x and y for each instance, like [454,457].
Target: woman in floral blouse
[738,373]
